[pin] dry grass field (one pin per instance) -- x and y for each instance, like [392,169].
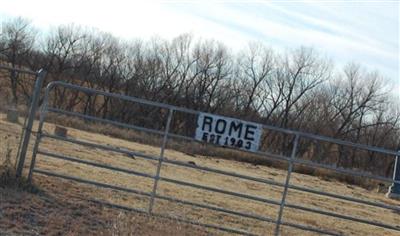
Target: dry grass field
[64,201]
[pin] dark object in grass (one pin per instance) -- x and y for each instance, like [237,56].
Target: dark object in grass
[60,131]
[12,115]
[192,163]
[131,156]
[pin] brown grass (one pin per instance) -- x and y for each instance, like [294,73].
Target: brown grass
[57,212]
[50,210]
[73,190]
[201,149]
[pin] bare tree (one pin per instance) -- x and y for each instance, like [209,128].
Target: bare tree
[254,67]
[297,89]
[302,70]
[62,47]
[17,39]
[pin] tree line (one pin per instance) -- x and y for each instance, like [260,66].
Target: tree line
[297,89]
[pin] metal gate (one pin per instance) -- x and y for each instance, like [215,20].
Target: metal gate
[169,112]
[26,130]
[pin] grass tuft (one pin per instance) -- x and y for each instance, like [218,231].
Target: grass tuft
[8,177]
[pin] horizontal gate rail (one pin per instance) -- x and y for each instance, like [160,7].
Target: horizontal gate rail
[269,127]
[90,182]
[184,202]
[111,122]
[217,171]
[345,217]
[297,161]
[165,134]
[346,198]
[85,181]
[245,196]
[374,204]
[266,155]
[103,147]
[91,163]
[311,229]
[178,182]
[270,182]
[318,211]
[226,229]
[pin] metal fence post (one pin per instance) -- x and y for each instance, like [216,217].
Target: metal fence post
[31,117]
[39,135]
[394,190]
[290,169]
[160,160]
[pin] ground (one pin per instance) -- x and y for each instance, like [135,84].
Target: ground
[63,207]
[55,213]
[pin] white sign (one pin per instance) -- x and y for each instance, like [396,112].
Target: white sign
[228,132]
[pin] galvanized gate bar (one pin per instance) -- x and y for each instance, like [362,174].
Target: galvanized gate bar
[279,184]
[394,189]
[134,191]
[91,163]
[174,162]
[111,122]
[98,184]
[264,154]
[341,216]
[290,169]
[342,197]
[266,219]
[90,182]
[215,208]
[306,228]
[264,200]
[84,181]
[292,160]
[99,146]
[345,171]
[63,157]
[218,190]
[267,155]
[270,182]
[41,74]
[39,136]
[27,126]
[225,229]
[259,199]
[162,105]
[160,159]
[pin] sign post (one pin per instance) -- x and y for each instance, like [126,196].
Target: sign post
[228,132]
[394,190]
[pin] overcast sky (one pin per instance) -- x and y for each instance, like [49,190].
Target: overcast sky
[366,32]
